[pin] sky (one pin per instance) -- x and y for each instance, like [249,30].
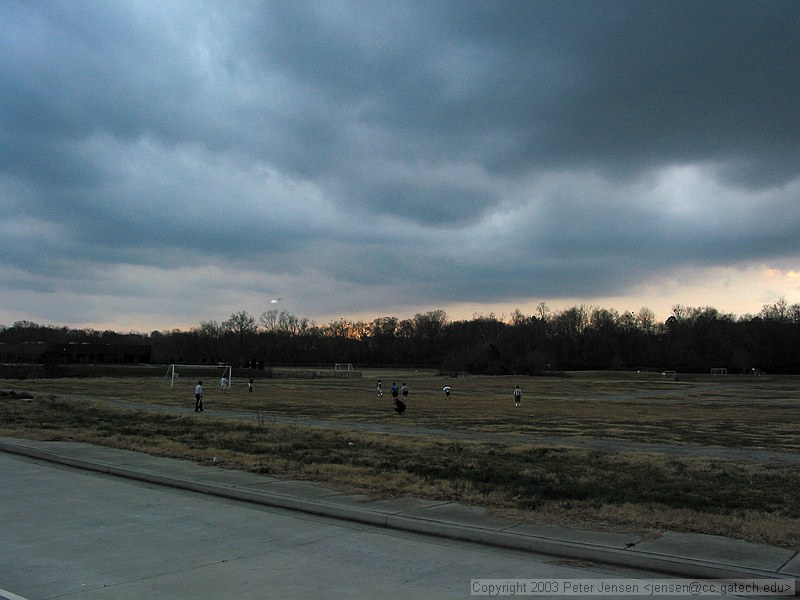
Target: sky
[168,163]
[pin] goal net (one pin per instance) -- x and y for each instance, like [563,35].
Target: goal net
[216,374]
[343,367]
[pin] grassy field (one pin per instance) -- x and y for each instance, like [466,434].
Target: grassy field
[476,447]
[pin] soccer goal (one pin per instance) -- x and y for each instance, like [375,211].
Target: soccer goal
[343,367]
[214,373]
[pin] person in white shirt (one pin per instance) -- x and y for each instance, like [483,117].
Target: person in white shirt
[198,397]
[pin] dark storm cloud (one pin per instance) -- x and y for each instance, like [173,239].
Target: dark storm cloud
[509,149]
[620,85]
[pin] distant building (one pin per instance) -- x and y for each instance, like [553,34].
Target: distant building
[74,353]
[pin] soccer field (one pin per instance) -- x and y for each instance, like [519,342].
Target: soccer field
[727,411]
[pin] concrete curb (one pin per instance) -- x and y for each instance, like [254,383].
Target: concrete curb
[503,537]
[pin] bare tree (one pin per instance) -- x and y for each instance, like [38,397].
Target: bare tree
[210,333]
[269,320]
[543,311]
[519,318]
[777,312]
[243,326]
[646,320]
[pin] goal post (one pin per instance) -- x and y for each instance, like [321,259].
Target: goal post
[343,367]
[222,373]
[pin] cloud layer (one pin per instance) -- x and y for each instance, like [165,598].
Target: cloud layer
[166,163]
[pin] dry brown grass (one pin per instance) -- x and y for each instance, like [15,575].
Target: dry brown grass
[542,482]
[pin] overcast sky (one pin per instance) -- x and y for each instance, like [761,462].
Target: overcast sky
[166,163]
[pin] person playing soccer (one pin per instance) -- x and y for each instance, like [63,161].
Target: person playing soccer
[198,397]
[517,396]
[446,390]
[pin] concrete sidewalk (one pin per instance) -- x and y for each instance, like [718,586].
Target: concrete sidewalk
[677,554]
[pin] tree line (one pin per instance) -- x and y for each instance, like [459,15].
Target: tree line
[692,339]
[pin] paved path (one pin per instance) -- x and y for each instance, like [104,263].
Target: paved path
[85,535]
[190,540]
